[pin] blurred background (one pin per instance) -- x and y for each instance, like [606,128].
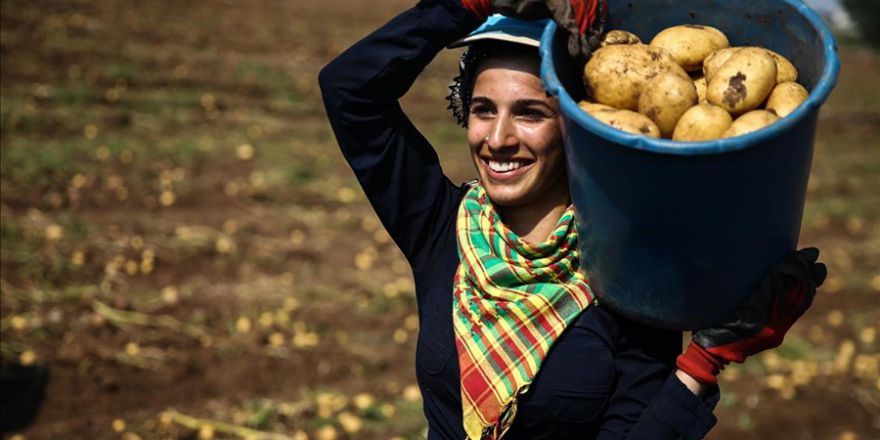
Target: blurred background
[186,255]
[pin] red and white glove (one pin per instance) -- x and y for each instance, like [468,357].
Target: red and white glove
[786,292]
[583,19]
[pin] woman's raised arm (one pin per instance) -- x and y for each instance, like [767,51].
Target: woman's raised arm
[397,167]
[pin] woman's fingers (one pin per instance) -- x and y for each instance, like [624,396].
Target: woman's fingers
[818,273]
[810,254]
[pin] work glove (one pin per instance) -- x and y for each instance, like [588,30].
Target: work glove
[761,322]
[583,19]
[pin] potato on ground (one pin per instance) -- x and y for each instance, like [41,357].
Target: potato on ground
[716,59]
[785,70]
[785,98]
[702,122]
[619,37]
[749,122]
[743,81]
[690,44]
[626,120]
[616,74]
[665,98]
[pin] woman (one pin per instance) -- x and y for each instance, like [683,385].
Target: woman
[511,340]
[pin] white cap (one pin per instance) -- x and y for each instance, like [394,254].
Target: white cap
[502,28]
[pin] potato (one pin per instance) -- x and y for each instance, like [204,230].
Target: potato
[665,98]
[717,36]
[619,37]
[690,44]
[744,81]
[616,74]
[785,98]
[626,120]
[785,71]
[593,107]
[702,122]
[716,59]
[749,122]
[701,85]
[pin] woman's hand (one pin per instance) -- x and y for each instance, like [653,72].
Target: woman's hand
[761,322]
[583,19]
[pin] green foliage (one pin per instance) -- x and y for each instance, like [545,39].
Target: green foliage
[73,94]
[121,71]
[297,174]
[260,414]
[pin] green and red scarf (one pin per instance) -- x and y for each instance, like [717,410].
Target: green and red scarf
[511,302]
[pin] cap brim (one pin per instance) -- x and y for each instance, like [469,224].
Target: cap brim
[495,35]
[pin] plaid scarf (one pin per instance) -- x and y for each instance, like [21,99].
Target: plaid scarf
[511,302]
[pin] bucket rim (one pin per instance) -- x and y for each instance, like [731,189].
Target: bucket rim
[816,98]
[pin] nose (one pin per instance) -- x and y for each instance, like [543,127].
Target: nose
[502,135]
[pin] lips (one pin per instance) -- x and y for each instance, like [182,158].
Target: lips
[505,170]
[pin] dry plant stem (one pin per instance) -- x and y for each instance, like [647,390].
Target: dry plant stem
[225,428]
[132,362]
[123,318]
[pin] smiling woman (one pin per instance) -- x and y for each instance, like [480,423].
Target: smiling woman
[511,341]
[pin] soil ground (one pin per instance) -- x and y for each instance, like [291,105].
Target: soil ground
[185,248]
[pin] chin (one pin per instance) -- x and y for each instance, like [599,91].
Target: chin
[505,197]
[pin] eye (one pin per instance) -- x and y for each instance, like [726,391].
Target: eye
[482,110]
[532,114]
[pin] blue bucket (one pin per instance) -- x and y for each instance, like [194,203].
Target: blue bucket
[677,234]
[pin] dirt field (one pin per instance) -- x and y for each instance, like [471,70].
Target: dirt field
[184,247]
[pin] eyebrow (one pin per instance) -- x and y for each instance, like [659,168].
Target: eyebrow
[530,102]
[519,102]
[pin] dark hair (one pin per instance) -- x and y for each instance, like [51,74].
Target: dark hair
[462,85]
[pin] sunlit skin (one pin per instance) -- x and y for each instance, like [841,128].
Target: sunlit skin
[512,120]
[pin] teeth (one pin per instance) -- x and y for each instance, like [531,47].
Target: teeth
[503,167]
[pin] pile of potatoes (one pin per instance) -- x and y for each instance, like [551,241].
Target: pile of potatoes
[688,85]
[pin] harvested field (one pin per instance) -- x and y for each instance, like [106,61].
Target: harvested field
[185,248]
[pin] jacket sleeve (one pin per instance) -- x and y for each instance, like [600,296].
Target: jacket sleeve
[649,402]
[676,413]
[396,166]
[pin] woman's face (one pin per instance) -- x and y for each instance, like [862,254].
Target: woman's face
[514,134]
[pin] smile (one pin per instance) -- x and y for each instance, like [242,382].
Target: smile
[504,170]
[503,167]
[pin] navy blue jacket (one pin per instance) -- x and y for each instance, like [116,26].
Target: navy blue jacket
[605,377]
